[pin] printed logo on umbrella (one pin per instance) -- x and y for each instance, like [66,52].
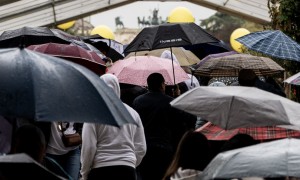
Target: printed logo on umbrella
[170,40]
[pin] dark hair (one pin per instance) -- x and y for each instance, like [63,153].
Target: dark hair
[193,152]
[30,139]
[238,141]
[154,81]
[247,77]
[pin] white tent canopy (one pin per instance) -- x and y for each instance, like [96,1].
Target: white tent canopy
[16,14]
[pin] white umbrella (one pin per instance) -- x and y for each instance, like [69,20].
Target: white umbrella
[236,106]
[278,158]
[295,79]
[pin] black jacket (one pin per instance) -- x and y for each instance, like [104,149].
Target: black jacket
[163,124]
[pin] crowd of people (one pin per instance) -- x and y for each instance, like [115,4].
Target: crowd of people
[162,146]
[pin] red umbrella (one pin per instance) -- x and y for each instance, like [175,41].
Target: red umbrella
[76,54]
[136,69]
[213,132]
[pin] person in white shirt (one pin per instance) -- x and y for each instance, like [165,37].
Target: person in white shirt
[110,152]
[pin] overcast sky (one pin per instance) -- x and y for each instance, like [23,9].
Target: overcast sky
[130,12]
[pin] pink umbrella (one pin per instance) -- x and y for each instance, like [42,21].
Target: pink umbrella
[136,69]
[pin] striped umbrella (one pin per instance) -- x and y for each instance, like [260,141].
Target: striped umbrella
[213,132]
[231,65]
[272,43]
[208,57]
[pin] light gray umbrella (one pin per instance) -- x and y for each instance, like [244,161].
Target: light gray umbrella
[295,79]
[280,158]
[236,106]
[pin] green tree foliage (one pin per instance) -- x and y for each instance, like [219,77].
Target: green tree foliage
[221,25]
[285,16]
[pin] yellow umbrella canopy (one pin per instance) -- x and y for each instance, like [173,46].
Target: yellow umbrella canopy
[66,25]
[184,57]
[237,46]
[103,31]
[180,15]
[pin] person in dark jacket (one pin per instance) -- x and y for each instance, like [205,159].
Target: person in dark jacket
[163,125]
[30,139]
[247,77]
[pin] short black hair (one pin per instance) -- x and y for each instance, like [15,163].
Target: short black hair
[29,139]
[238,141]
[154,81]
[247,77]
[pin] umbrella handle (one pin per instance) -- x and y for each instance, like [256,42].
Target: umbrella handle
[172,64]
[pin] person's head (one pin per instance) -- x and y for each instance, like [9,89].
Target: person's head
[193,152]
[167,55]
[30,139]
[113,82]
[247,77]
[156,82]
[238,141]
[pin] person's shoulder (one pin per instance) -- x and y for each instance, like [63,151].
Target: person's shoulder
[164,97]
[168,97]
[139,97]
[133,113]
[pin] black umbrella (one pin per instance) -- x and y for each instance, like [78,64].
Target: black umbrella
[203,50]
[27,36]
[22,166]
[45,88]
[169,35]
[65,36]
[111,48]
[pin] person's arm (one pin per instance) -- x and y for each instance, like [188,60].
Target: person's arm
[139,142]
[88,149]
[180,122]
